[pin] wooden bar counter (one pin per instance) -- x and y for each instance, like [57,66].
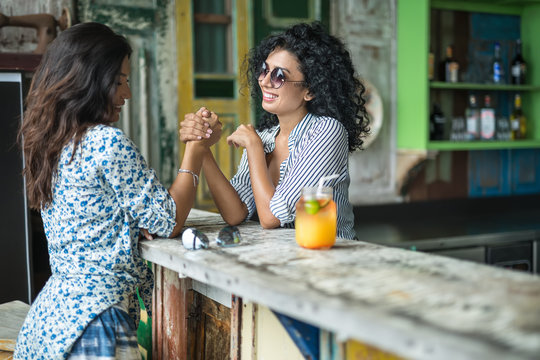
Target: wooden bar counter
[414,305]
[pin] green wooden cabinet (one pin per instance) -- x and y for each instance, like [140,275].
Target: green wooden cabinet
[414,88]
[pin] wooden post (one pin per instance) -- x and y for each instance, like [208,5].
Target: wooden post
[236,327]
[172,301]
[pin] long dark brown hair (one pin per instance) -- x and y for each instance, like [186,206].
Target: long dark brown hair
[71,91]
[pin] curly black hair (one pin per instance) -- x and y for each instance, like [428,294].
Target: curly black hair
[328,73]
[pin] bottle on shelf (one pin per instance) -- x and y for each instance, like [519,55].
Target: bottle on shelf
[431,62]
[472,114]
[518,66]
[437,124]
[449,66]
[518,122]
[503,131]
[487,120]
[497,69]
[458,131]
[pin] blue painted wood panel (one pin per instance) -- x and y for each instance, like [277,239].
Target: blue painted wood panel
[304,335]
[525,171]
[504,172]
[488,173]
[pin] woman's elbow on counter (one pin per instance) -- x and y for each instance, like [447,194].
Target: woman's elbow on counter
[176,231]
[269,224]
[232,220]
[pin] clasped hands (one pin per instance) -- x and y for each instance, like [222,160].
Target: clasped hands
[204,125]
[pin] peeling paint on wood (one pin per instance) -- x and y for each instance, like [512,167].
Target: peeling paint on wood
[171,308]
[168,90]
[127,20]
[150,27]
[236,327]
[368,29]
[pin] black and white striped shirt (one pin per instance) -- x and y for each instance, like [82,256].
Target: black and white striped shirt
[318,146]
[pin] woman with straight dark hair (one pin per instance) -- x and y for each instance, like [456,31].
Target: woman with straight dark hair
[96,195]
[313,117]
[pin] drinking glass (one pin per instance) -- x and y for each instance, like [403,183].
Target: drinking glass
[316,218]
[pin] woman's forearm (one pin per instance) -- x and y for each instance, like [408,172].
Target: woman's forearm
[182,189]
[263,188]
[229,205]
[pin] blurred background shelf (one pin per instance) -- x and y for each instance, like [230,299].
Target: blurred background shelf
[486,87]
[482,145]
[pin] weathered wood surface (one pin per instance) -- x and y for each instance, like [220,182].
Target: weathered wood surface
[417,305]
[12,315]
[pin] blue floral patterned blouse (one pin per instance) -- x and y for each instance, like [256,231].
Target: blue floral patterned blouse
[100,201]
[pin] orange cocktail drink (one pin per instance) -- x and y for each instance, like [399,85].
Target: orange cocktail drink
[316,218]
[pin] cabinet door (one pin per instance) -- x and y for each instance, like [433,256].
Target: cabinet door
[212,41]
[504,172]
[525,171]
[488,173]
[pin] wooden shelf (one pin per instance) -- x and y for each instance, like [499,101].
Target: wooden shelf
[488,87]
[483,145]
[19,61]
[415,93]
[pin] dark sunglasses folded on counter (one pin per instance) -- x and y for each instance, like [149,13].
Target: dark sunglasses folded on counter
[194,239]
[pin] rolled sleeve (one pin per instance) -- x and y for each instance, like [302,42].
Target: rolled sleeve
[136,186]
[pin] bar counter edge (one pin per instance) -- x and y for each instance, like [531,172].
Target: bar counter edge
[416,305]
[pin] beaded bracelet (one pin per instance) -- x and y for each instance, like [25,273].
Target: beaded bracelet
[195,176]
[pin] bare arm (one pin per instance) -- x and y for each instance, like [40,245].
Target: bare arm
[182,190]
[261,182]
[194,128]
[231,208]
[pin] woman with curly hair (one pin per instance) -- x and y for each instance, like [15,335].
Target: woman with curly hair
[313,116]
[96,195]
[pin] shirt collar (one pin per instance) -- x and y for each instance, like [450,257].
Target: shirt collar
[295,134]
[270,144]
[299,130]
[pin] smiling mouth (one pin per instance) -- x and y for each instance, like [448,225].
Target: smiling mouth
[268,96]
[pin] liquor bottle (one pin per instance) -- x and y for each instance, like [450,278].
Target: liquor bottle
[487,120]
[518,66]
[497,70]
[437,123]
[449,67]
[518,122]
[503,131]
[431,61]
[472,114]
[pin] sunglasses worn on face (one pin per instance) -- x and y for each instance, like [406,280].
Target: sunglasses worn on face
[193,239]
[277,77]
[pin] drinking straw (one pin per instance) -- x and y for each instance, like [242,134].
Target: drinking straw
[324,179]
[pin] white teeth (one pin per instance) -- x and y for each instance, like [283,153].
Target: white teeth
[269,96]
